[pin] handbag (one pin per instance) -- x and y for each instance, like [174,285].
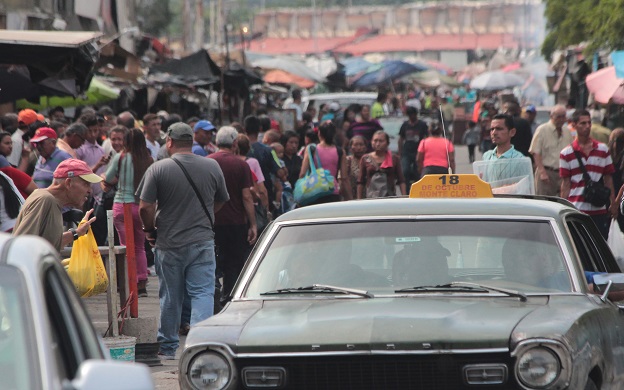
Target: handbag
[317,183]
[86,269]
[594,192]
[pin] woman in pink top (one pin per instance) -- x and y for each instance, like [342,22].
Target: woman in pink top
[432,153]
[333,159]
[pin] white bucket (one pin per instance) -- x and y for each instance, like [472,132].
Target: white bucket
[121,347]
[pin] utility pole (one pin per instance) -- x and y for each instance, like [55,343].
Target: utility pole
[199,25]
[186,22]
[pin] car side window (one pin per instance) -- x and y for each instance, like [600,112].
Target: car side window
[68,326]
[590,253]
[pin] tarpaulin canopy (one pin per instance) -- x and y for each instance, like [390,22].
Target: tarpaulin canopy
[282,77]
[98,92]
[197,68]
[433,78]
[49,56]
[291,66]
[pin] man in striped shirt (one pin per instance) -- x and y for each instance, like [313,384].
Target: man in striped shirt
[599,166]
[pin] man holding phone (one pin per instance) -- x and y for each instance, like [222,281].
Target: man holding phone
[97,159]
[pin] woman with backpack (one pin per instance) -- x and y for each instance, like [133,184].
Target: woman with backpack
[380,170]
[332,158]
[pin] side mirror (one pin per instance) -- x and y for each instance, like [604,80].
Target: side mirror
[609,283]
[107,374]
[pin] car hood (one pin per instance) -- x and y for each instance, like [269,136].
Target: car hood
[412,323]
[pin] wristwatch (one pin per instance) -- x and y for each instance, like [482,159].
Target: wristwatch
[74,233]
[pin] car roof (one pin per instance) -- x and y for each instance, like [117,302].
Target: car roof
[403,206]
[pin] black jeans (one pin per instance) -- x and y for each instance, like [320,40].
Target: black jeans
[232,250]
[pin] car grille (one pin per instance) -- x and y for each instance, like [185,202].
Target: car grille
[416,372]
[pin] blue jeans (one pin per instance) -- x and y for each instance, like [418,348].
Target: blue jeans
[190,268]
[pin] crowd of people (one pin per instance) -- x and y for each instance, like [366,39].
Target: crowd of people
[197,197]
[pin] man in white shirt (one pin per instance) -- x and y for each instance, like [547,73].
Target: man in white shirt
[25,118]
[151,129]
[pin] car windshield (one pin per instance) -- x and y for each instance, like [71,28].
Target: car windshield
[383,257]
[18,363]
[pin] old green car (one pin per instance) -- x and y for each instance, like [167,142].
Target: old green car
[411,293]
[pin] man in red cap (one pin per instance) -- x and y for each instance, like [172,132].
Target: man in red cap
[50,156]
[25,118]
[41,214]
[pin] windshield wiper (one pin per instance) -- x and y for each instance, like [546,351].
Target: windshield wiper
[464,287]
[320,288]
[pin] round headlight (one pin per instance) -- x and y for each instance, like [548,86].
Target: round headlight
[209,371]
[538,367]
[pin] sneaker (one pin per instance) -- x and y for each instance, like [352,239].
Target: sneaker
[151,271]
[142,288]
[142,293]
[163,356]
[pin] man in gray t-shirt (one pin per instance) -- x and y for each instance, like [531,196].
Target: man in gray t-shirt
[184,255]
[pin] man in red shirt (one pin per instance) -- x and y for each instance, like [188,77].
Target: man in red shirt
[598,164]
[235,224]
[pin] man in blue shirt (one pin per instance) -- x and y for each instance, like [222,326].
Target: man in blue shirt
[506,166]
[203,132]
[49,156]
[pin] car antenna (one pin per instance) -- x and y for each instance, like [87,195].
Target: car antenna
[448,158]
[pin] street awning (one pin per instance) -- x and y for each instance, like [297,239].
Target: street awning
[64,56]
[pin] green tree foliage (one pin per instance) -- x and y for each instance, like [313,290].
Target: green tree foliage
[599,23]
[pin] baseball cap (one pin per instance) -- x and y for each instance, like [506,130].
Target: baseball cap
[43,133]
[530,108]
[180,131]
[204,125]
[334,106]
[226,136]
[27,116]
[73,167]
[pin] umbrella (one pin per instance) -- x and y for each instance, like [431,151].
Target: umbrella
[495,80]
[282,77]
[385,72]
[97,93]
[605,86]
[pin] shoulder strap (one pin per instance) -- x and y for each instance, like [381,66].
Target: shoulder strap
[582,166]
[201,200]
[312,156]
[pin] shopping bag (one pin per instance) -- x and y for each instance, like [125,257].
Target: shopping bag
[86,268]
[317,183]
[616,242]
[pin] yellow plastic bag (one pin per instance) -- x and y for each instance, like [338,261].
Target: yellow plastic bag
[86,268]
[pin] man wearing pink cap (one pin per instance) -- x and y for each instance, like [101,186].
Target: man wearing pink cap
[41,214]
[49,156]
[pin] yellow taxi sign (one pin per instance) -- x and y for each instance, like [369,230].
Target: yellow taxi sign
[451,186]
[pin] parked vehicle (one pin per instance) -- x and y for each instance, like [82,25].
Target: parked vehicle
[343,98]
[46,338]
[474,292]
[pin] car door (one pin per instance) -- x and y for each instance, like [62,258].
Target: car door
[73,337]
[593,251]
[595,256]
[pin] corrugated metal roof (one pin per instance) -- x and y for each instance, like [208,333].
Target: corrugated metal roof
[48,38]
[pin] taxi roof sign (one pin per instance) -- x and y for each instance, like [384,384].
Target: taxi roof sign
[462,186]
